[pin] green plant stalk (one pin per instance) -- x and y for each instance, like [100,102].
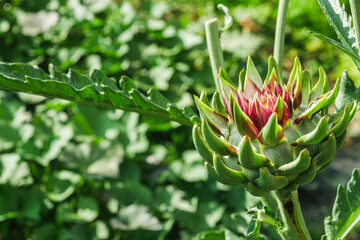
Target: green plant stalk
[280,32]
[355,13]
[214,48]
[289,206]
[269,200]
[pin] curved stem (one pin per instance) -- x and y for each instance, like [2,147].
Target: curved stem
[214,48]
[280,32]
[289,206]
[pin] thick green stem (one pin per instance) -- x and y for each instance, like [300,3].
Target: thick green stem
[214,48]
[269,200]
[280,32]
[355,13]
[289,206]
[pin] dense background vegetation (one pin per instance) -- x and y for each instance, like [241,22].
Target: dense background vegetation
[70,171]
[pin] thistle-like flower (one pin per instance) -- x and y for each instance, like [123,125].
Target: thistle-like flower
[267,135]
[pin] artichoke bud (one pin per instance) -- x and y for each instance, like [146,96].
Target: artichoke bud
[218,104]
[205,152]
[327,153]
[297,166]
[270,182]
[255,190]
[321,86]
[340,126]
[340,141]
[315,136]
[265,135]
[214,141]
[308,175]
[236,177]
[271,133]
[306,88]
[213,173]
[272,64]
[295,84]
[204,99]
[248,158]
[243,123]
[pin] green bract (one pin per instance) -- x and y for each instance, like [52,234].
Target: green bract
[267,135]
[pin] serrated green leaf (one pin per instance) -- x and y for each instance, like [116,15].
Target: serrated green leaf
[346,210]
[338,46]
[347,92]
[342,24]
[96,89]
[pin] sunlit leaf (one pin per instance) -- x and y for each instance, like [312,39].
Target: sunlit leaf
[14,171]
[346,210]
[62,184]
[87,209]
[135,217]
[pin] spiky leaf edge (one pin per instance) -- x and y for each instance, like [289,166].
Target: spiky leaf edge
[96,89]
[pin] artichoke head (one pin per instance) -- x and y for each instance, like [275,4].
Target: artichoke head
[265,135]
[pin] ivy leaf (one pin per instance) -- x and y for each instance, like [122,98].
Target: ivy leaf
[96,89]
[347,93]
[346,210]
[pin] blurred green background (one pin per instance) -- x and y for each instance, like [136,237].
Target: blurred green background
[70,171]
